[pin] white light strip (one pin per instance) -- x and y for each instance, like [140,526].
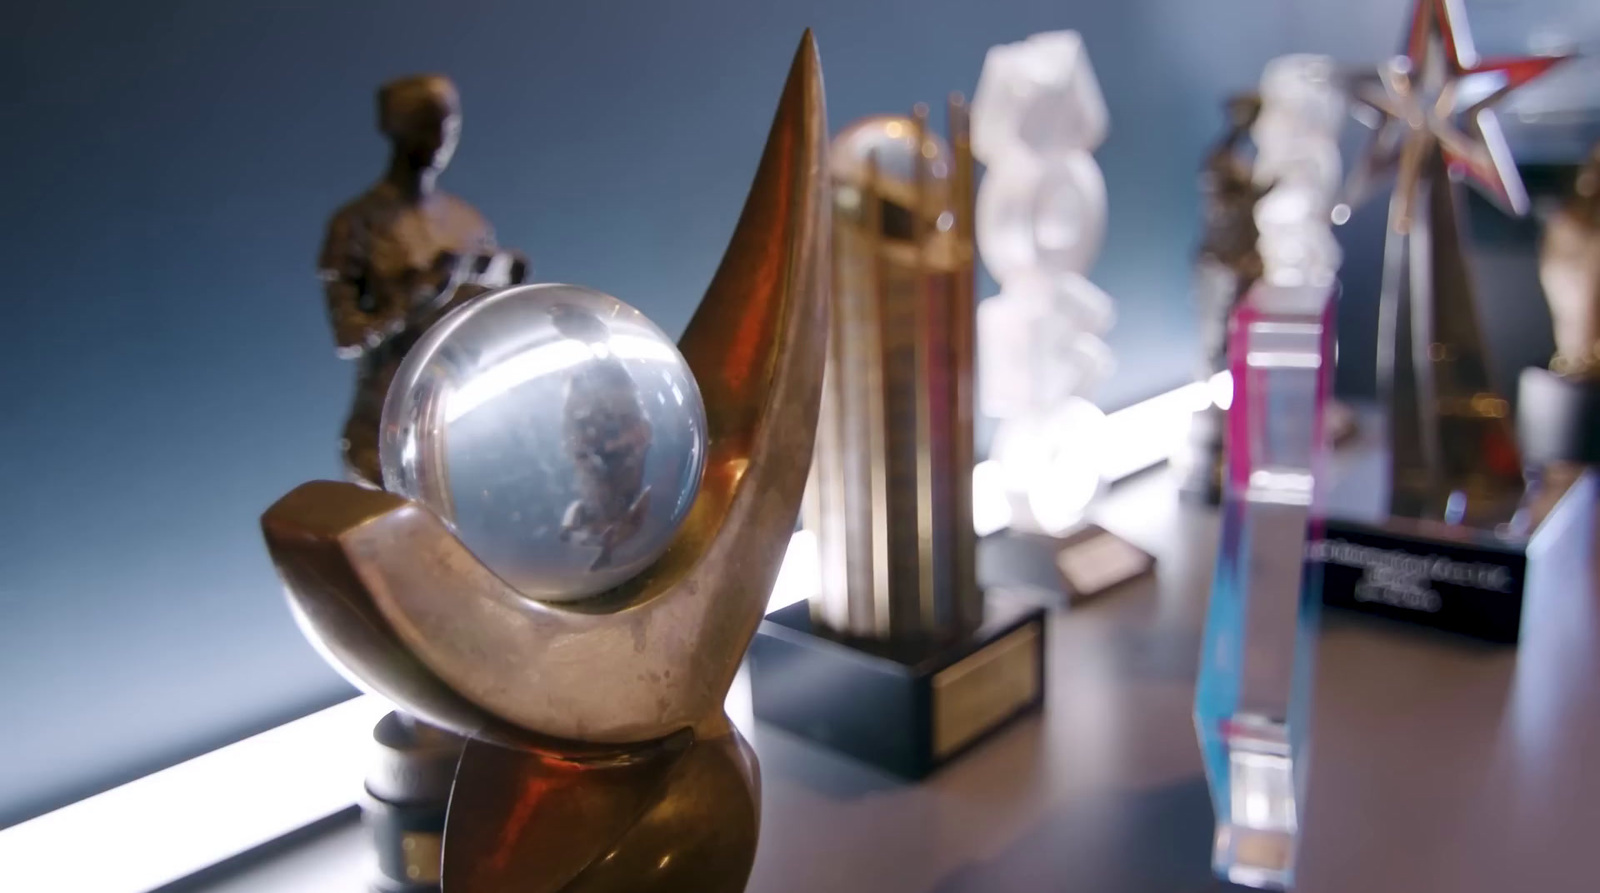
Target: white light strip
[1144,434]
[173,823]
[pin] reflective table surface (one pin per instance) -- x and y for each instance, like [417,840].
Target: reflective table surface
[1438,763]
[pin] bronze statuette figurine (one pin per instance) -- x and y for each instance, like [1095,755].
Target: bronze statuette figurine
[402,253]
[1569,269]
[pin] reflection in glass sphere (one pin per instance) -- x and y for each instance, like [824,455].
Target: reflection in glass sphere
[556,430]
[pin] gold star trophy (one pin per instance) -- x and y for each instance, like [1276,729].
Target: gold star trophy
[1450,550]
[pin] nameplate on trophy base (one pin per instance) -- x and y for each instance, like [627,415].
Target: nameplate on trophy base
[1449,577]
[1461,585]
[907,708]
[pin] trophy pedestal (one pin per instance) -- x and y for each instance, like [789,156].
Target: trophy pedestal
[1558,420]
[406,792]
[903,707]
[1080,565]
[1451,577]
[1198,461]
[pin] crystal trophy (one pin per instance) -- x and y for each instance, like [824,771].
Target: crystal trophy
[580,530]
[901,660]
[1252,700]
[1459,515]
[1037,116]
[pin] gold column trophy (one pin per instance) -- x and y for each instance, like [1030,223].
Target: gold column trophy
[1558,409]
[1450,547]
[580,533]
[901,660]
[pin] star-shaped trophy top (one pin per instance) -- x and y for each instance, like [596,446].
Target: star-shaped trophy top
[1439,96]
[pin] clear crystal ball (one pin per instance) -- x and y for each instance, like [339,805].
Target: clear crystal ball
[555,429]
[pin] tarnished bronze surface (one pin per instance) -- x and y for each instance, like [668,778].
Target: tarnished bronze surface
[622,772]
[1227,263]
[399,255]
[1569,268]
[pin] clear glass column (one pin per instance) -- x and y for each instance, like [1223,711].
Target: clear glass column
[1253,696]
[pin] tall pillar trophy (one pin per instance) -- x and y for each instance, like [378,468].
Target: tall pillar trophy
[1450,547]
[1253,693]
[550,575]
[1041,216]
[396,259]
[901,660]
[1558,411]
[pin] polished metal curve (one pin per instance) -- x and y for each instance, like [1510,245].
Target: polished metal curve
[395,601]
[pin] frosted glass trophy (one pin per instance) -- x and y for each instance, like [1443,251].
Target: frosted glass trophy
[1037,117]
[1252,702]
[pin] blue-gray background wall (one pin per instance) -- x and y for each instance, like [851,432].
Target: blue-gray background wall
[168,371]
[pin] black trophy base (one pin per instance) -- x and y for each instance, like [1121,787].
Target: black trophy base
[1198,462]
[1558,420]
[903,708]
[406,793]
[1451,577]
[1471,585]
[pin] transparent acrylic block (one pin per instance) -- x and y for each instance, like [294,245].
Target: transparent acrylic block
[1252,699]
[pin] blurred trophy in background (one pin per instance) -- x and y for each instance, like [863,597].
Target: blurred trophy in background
[550,576]
[1558,409]
[1253,694]
[1041,216]
[1456,489]
[395,259]
[1229,263]
[928,663]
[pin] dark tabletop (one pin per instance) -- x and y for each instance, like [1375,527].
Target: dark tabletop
[1438,763]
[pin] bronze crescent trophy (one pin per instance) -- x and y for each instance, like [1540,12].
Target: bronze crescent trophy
[599,755]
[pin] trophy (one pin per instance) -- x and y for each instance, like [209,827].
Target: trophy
[1253,692]
[901,660]
[395,259]
[401,254]
[1252,696]
[1041,215]
[1450,547]
[1228,264]
[1558,409]
[580,532]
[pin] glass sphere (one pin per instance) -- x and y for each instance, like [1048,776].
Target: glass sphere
[555,429]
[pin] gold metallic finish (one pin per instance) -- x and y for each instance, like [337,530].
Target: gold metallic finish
[894,459]
[963,345]
[422,854]
[923,346]
[979,691]
[620,770]
[1454,457]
